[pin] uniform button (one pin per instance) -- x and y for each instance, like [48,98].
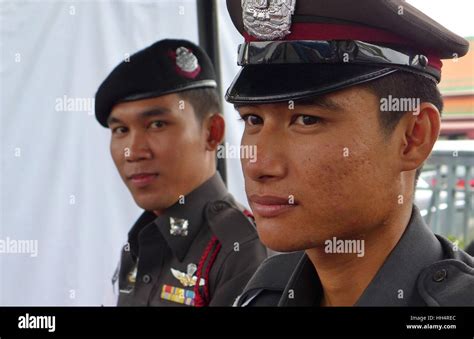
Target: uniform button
[146,278]
[440,275]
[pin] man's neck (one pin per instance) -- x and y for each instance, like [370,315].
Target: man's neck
[205,177]
[344,277]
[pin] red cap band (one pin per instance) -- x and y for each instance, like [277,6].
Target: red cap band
[324,31]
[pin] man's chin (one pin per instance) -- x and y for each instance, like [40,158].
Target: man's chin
[150,203]
[287,239]
[283,242]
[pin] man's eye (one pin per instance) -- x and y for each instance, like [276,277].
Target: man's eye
[119,130]
[158,124]
[307,120]
[252,120]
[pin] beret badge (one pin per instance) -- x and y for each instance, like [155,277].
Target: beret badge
[187,64]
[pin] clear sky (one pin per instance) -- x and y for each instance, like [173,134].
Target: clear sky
[456,15]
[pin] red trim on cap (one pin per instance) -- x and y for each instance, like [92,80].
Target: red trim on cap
[324,31]
[434,62]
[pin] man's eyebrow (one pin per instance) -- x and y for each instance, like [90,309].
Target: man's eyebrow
[153,112]
[238,106]
[113,120]
[320,101]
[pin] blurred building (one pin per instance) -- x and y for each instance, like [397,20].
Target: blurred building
[457,87]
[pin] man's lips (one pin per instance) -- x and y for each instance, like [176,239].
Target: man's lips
[142,179]
[269,206]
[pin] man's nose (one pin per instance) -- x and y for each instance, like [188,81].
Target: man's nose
[138,148]
[270,163]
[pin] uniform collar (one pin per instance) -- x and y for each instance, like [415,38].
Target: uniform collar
[395,282]
[393,285]
[304,287]
[191,210]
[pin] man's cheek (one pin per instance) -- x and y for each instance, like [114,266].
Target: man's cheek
[323,170]
[116,156]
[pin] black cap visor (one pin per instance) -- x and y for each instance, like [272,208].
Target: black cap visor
[281,82]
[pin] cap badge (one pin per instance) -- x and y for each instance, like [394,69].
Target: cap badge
[268,19]
[178,226]
[187,63]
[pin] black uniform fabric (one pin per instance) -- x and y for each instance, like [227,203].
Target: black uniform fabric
[470,248]
[145,275]
[423,269]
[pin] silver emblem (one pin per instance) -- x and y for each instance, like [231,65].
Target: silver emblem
[268,19]
[186,60]
[130,281]
[178,226]
[188,279]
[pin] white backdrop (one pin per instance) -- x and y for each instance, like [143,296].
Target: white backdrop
[59,186]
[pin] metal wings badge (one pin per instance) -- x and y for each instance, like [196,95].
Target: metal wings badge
[188,278]
[268,19]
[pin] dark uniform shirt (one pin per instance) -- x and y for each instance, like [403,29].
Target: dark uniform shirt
[422,270]
[207,239]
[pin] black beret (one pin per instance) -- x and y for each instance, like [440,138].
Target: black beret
[167,66]
[299,48]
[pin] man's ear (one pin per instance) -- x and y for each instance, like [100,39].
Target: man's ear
[215,126]
[421,130]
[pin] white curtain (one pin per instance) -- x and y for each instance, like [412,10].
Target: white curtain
[59,187]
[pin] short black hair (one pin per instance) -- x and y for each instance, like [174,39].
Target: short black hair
[400,85]
[205,101]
